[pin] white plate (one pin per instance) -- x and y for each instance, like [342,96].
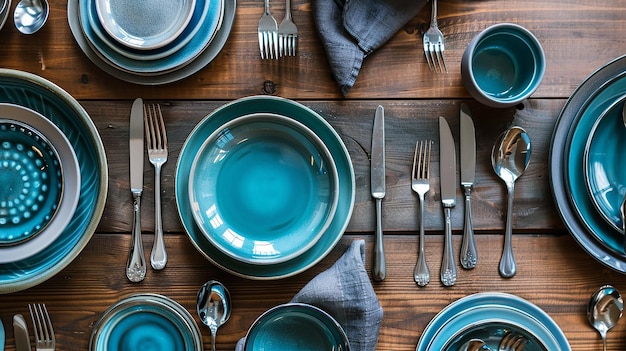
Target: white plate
[71,186]
[145,24]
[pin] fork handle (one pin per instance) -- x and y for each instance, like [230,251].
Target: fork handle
[380,266]
[136,265]
[158,257]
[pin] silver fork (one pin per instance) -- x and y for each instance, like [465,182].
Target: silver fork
[156,141]
[512,342]
[287,34]
[268,34]
[433,44]
[420,184]
[42,326]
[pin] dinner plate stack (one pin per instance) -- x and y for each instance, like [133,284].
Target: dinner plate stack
[151,42]
[587,180]
[54,179]
[265,187]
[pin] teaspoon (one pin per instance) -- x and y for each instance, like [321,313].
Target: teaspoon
[213,306]
[30,15]
[510,157]
[604,310]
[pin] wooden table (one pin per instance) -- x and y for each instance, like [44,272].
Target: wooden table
[553,271]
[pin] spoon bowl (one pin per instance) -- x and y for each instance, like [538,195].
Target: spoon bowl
[474,345]
[604,310]
[30,15]
[510,157]
[213,306]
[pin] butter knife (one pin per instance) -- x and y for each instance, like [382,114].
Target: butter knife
[377,178]
[468,256]
[20,332]
[136,265]
[447,175]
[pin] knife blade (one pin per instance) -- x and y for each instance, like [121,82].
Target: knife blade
[20,333]
[377,179]
[447,177]
[469,255]
[136,265]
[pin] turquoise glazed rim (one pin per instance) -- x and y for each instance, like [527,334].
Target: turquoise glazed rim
[296,326]
[346,187]
[263,188]
[146,322]
[46,98]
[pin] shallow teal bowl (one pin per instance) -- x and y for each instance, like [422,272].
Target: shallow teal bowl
[263,188]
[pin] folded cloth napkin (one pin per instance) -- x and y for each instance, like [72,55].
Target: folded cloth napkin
[352,29]
[345,292]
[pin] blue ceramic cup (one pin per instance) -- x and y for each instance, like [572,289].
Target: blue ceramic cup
[503,65]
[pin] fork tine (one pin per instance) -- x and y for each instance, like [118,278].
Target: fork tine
[261,45]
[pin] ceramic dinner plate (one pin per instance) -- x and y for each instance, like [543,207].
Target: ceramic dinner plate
[146,322]
[263,188]
[482,308]
[147,24]
[604,160]
[48,193]
[302,114]
[40,95]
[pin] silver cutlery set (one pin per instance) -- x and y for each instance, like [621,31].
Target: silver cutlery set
[275,40]
[150,118]
[510,157]
[42,330]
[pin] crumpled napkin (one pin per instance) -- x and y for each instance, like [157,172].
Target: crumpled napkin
[345,292]
[352,29]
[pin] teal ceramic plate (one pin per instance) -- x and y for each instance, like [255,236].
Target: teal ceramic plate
[44,97]
[35,207]
[1,336]
[603,163]
[302,114]
[200,12]
[296,326]
[144,25]
[146,322]
[566,169]
[482,308]
[263,188]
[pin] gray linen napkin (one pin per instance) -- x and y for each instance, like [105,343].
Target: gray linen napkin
[345,292]
[352,29]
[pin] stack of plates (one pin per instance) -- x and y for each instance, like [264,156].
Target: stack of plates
[587,181]
[489,316]
[151,42]
[48,219]
[226,168]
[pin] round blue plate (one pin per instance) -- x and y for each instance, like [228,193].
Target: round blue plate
[482,307]
[302,114]
[67,114]
[146,322]
[566,168]
[263,188]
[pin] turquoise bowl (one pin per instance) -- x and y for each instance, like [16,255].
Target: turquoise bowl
[503,65]
[345,187]
[296,326]
[263,188]
[146,322]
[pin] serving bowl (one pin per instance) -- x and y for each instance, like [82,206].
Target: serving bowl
[263,188]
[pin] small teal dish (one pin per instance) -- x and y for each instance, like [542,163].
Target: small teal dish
[2,337]
[32,182]
[503,65]
[603,163]
[296,326]
[146,322]
[505,310]
[345,186]
[263,188]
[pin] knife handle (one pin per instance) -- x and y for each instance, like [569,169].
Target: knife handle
[448,269]
[469,256]
[136,265]
[380,267]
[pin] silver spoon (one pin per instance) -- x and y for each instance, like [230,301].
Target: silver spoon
[474,345]
[213,306]
[510,157]
[604,310]
[30,15]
